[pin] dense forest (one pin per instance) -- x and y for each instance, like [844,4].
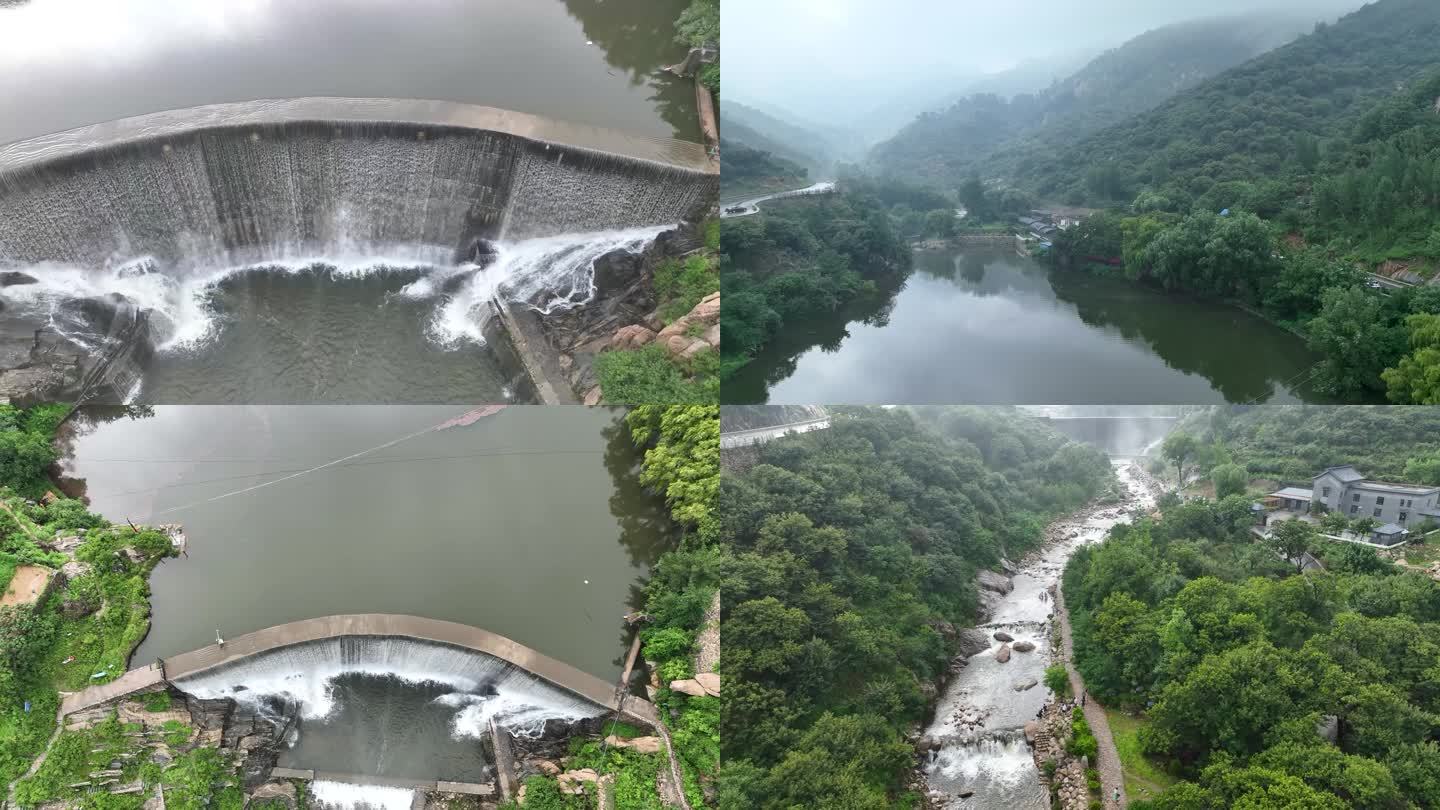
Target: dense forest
[850,553]
[996,135]
[1262,687]
[810,255]
[1295,442]
[747,170]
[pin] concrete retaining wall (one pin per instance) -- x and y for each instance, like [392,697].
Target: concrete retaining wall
[297,177]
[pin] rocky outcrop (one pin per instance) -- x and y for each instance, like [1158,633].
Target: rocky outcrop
[39,364]
[257,733]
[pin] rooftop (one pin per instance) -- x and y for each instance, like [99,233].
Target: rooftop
[1388,487]
[1346,473]
[1295,493]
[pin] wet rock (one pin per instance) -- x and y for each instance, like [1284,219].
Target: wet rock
[1025,685]
[991,581]
[1031,729]
[1001,635]
[15,278]
[971,640]
[1023,646]
[1003,654]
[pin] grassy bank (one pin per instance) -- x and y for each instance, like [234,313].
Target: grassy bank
[81,632]
[1144,777]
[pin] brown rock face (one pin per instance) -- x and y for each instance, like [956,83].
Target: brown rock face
[631,337]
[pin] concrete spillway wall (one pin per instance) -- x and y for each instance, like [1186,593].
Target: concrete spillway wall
[365,625]
[276,178]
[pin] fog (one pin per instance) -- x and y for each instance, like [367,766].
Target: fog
[855,63]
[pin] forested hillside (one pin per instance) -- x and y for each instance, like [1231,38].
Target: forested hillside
[849,552]
[1294,443]
[1258,686]
[811,255]
[745,170]
[994,136]
[807,145]
[1254,121]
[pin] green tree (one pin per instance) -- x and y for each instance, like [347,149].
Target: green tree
[1416,379]
[1229,479]
[1293,540]
[1358,340]
[1178,448]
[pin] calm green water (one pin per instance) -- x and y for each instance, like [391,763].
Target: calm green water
[529,523]
[993,327]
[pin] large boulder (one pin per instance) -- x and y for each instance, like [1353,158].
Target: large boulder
[991,581]
[631,337]
[1023,646]
[1003,654]
[970,641]
[1001,635]
[1028,683]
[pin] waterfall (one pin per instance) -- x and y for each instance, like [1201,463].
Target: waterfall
[484,687]
[548,273]
[347,796]
[271,180]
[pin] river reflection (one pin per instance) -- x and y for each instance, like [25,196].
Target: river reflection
[529,522]
[993,327]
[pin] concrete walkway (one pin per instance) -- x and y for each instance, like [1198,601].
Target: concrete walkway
[1112,775]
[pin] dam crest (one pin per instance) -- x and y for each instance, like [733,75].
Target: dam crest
[277,178]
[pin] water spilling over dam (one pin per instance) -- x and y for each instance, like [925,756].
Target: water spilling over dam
[277,179]
[413,216]
[480,687]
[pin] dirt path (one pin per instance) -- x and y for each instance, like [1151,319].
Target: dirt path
[1112,775]
[707,656]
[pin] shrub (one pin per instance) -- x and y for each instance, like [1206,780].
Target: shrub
[1058,680]
[648,376]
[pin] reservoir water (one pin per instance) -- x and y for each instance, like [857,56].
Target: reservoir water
[988,326]
[528,523]
[588,61]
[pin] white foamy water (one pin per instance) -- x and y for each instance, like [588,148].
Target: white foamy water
[990,758]
[347,796]
[484,687]
[548,274]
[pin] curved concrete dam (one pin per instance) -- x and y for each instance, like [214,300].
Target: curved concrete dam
[277,178]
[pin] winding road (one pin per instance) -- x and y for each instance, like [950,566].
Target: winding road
[752,206]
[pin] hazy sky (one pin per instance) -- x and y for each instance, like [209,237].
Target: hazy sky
[815,55]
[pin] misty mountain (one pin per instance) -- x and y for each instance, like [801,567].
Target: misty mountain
[991,135]
[745,171]
[1244,124]
[816,147]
